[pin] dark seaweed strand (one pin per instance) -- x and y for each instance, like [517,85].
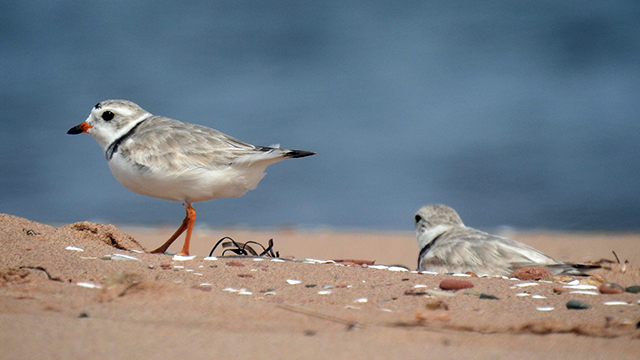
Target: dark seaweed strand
[113,148]
[426,248]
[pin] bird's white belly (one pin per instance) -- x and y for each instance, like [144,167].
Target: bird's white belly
[191,185]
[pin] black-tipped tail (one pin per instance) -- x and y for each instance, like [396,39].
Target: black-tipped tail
[298,153]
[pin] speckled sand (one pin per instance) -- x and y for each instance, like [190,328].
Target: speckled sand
[101,304]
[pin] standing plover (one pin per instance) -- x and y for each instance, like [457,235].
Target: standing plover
[168,159]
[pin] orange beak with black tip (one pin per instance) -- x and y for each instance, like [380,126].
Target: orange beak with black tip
[79,129]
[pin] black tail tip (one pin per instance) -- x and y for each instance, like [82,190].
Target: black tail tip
[299,153]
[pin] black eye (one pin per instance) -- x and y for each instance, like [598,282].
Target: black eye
[108,115]
[418,218]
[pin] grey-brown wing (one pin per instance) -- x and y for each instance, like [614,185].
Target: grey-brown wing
[161,142]
[477,251]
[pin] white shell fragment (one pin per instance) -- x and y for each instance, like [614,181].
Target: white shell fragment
[277,260]
[211,258]
[361,300]
[258,259]
[580,287]
[73,248]
[614,303]
[230,290]
[427,272]
[584,292]
[124,257]
[397,268]
[378,267]
[316,261]
[324,292]
[293,282]
[544,308]
[244,292]
[89,285]
[538,297]
[526,284]
[440,293]
[523,294]
[418,286]
[183,257]
[461,275]
[574,282]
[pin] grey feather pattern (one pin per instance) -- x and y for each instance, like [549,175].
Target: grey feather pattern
[183,146]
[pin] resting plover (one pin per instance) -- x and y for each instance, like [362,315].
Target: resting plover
[448,246]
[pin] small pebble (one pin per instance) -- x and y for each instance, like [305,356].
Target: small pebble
[437,305]
[235,263]
[544,308]
[488,297]
[531,273]
[455,284]
[610,288]
[293,282]
[83,315]
[633,289]
[202,288]
[73,248]
[577,305]
[558,290]
[310,285]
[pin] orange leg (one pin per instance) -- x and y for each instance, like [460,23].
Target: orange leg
[187,224]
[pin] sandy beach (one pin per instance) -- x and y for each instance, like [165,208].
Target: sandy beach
[88,290]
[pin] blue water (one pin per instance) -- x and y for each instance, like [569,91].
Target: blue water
[514,113]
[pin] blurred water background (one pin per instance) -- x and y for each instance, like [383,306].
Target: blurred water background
[518,113]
